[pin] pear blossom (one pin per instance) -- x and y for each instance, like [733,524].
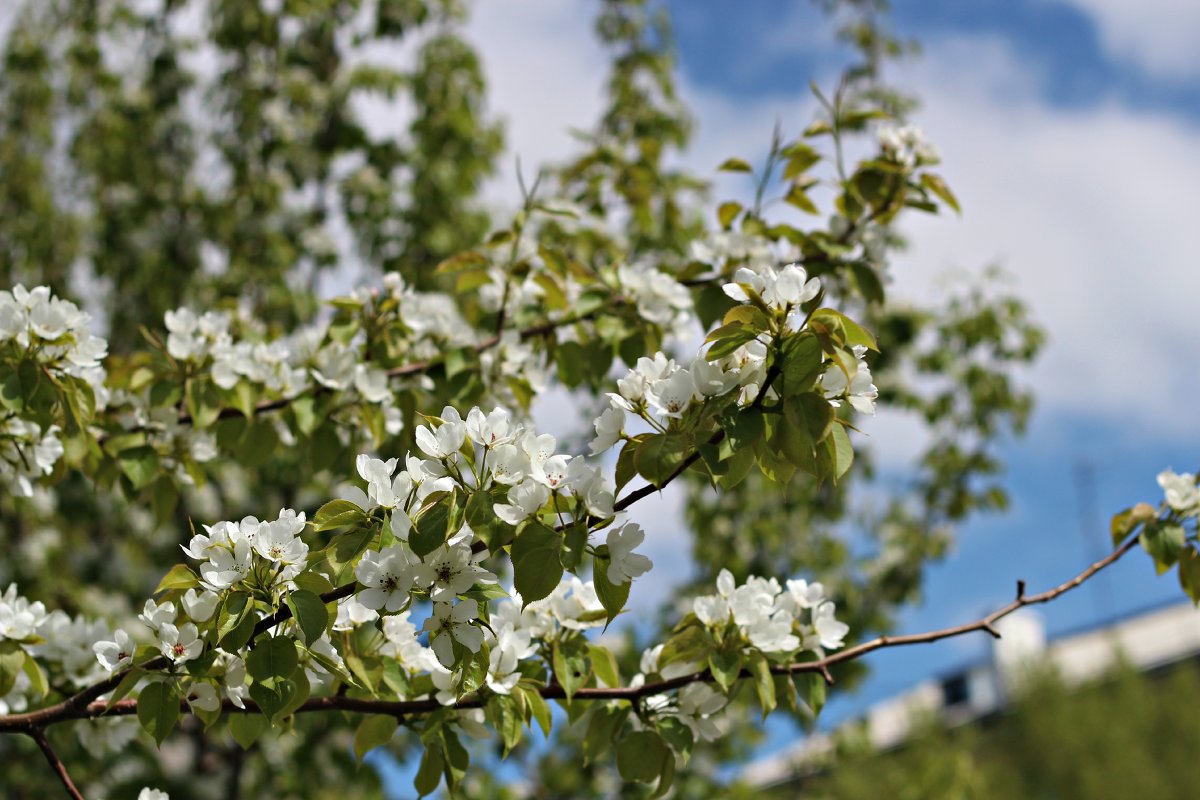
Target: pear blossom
[831,633]
[387,576]
[551,472]
[698,704]
[610,429]
[672,394]
[116,654]
[153,794]
[179,644]
[446,439]
[200,605]
[1180,491]
[155,615]
[453,622]
[524,500]
[449,571]
[509,464]
[202,695]
[857,389]
[624,565]
[492,429]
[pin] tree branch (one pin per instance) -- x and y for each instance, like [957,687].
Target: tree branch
[400,708]
[60,769]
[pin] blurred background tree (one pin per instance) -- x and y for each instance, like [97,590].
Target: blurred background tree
[212,154]
[1128,735]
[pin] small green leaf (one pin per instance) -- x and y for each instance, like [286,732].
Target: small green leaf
[140,464]
[602,729]
[935,184]
[429,774]
[660,455]
[727,213]
[310,612]
[434,524]
[179,576]
[693,643]
[272,658]
[734,165]
[604,665]
[374,731]
[12,660]
[158,709]
[246,728]
[338,514]
[640,756]
[572,667]
[764,682]
[537,566]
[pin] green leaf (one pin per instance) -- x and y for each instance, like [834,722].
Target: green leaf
[727,213]
[693,643]
[313,582]
[126,686]
[572,667]
[798,198]
[640,756]
[272,658]
[158,709]
[537,566]
[538,709]
[246,728]
[800,364]
[505,717]
[602,729]
[725,666]
[799,158]
[179,576]
[724,340]
[1164,543]
[140,464]
[604,665]
[20,386]
[12,660]
[1189,574]
[764,681]
[374,731]
[203,403]
[935,184]
[310,612]
[338,514]
[850,331]
[815,696]
[734,165]
[626,464]
[429,774]
[434,524]
[841,450]
[660,455]
[346,547]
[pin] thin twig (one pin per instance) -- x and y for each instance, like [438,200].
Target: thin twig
[60,769]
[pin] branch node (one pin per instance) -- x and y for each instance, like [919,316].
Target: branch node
[827,676]
[987,626]
[1020,590]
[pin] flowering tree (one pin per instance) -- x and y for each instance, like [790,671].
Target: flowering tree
[440,570]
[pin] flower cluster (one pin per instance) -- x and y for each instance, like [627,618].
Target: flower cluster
[774,619]
[857,389]
[906,145]
[51,335]
[1182,493]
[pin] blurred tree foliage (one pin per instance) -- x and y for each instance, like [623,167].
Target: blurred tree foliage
[1128,736]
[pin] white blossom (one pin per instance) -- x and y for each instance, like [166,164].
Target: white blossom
[624,565]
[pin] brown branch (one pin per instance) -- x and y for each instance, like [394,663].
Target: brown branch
[60,769]
[401,708]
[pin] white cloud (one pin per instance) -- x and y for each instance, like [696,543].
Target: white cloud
[1084,206]
[1161,37]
